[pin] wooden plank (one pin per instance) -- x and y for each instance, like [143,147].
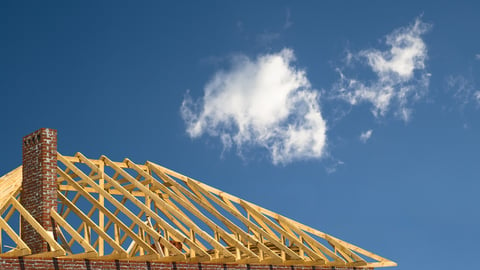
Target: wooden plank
[48,254]
[64,243]
[73,233]
[84,255]
[75,159]
[74,201]
[21,246]
[10,184]
[9,214]
[92,190]
[101,215]
[16,253]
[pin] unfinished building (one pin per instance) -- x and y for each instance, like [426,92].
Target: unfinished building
[73,212]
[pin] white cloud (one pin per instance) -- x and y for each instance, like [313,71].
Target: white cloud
[463,90]
[364,136]
[266,102]
[334,166]
[477,56]
[400,75]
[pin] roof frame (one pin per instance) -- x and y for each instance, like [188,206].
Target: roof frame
[162,227]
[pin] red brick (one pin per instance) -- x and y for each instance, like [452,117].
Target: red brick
[78,264]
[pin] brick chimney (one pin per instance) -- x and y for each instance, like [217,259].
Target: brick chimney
[39,189]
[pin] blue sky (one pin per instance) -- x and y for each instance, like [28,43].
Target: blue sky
[358,118]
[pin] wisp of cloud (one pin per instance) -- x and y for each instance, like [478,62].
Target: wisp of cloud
[400,73]
[265,102]
[365,136]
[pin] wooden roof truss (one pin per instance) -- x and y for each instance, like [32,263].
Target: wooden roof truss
[127,211]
